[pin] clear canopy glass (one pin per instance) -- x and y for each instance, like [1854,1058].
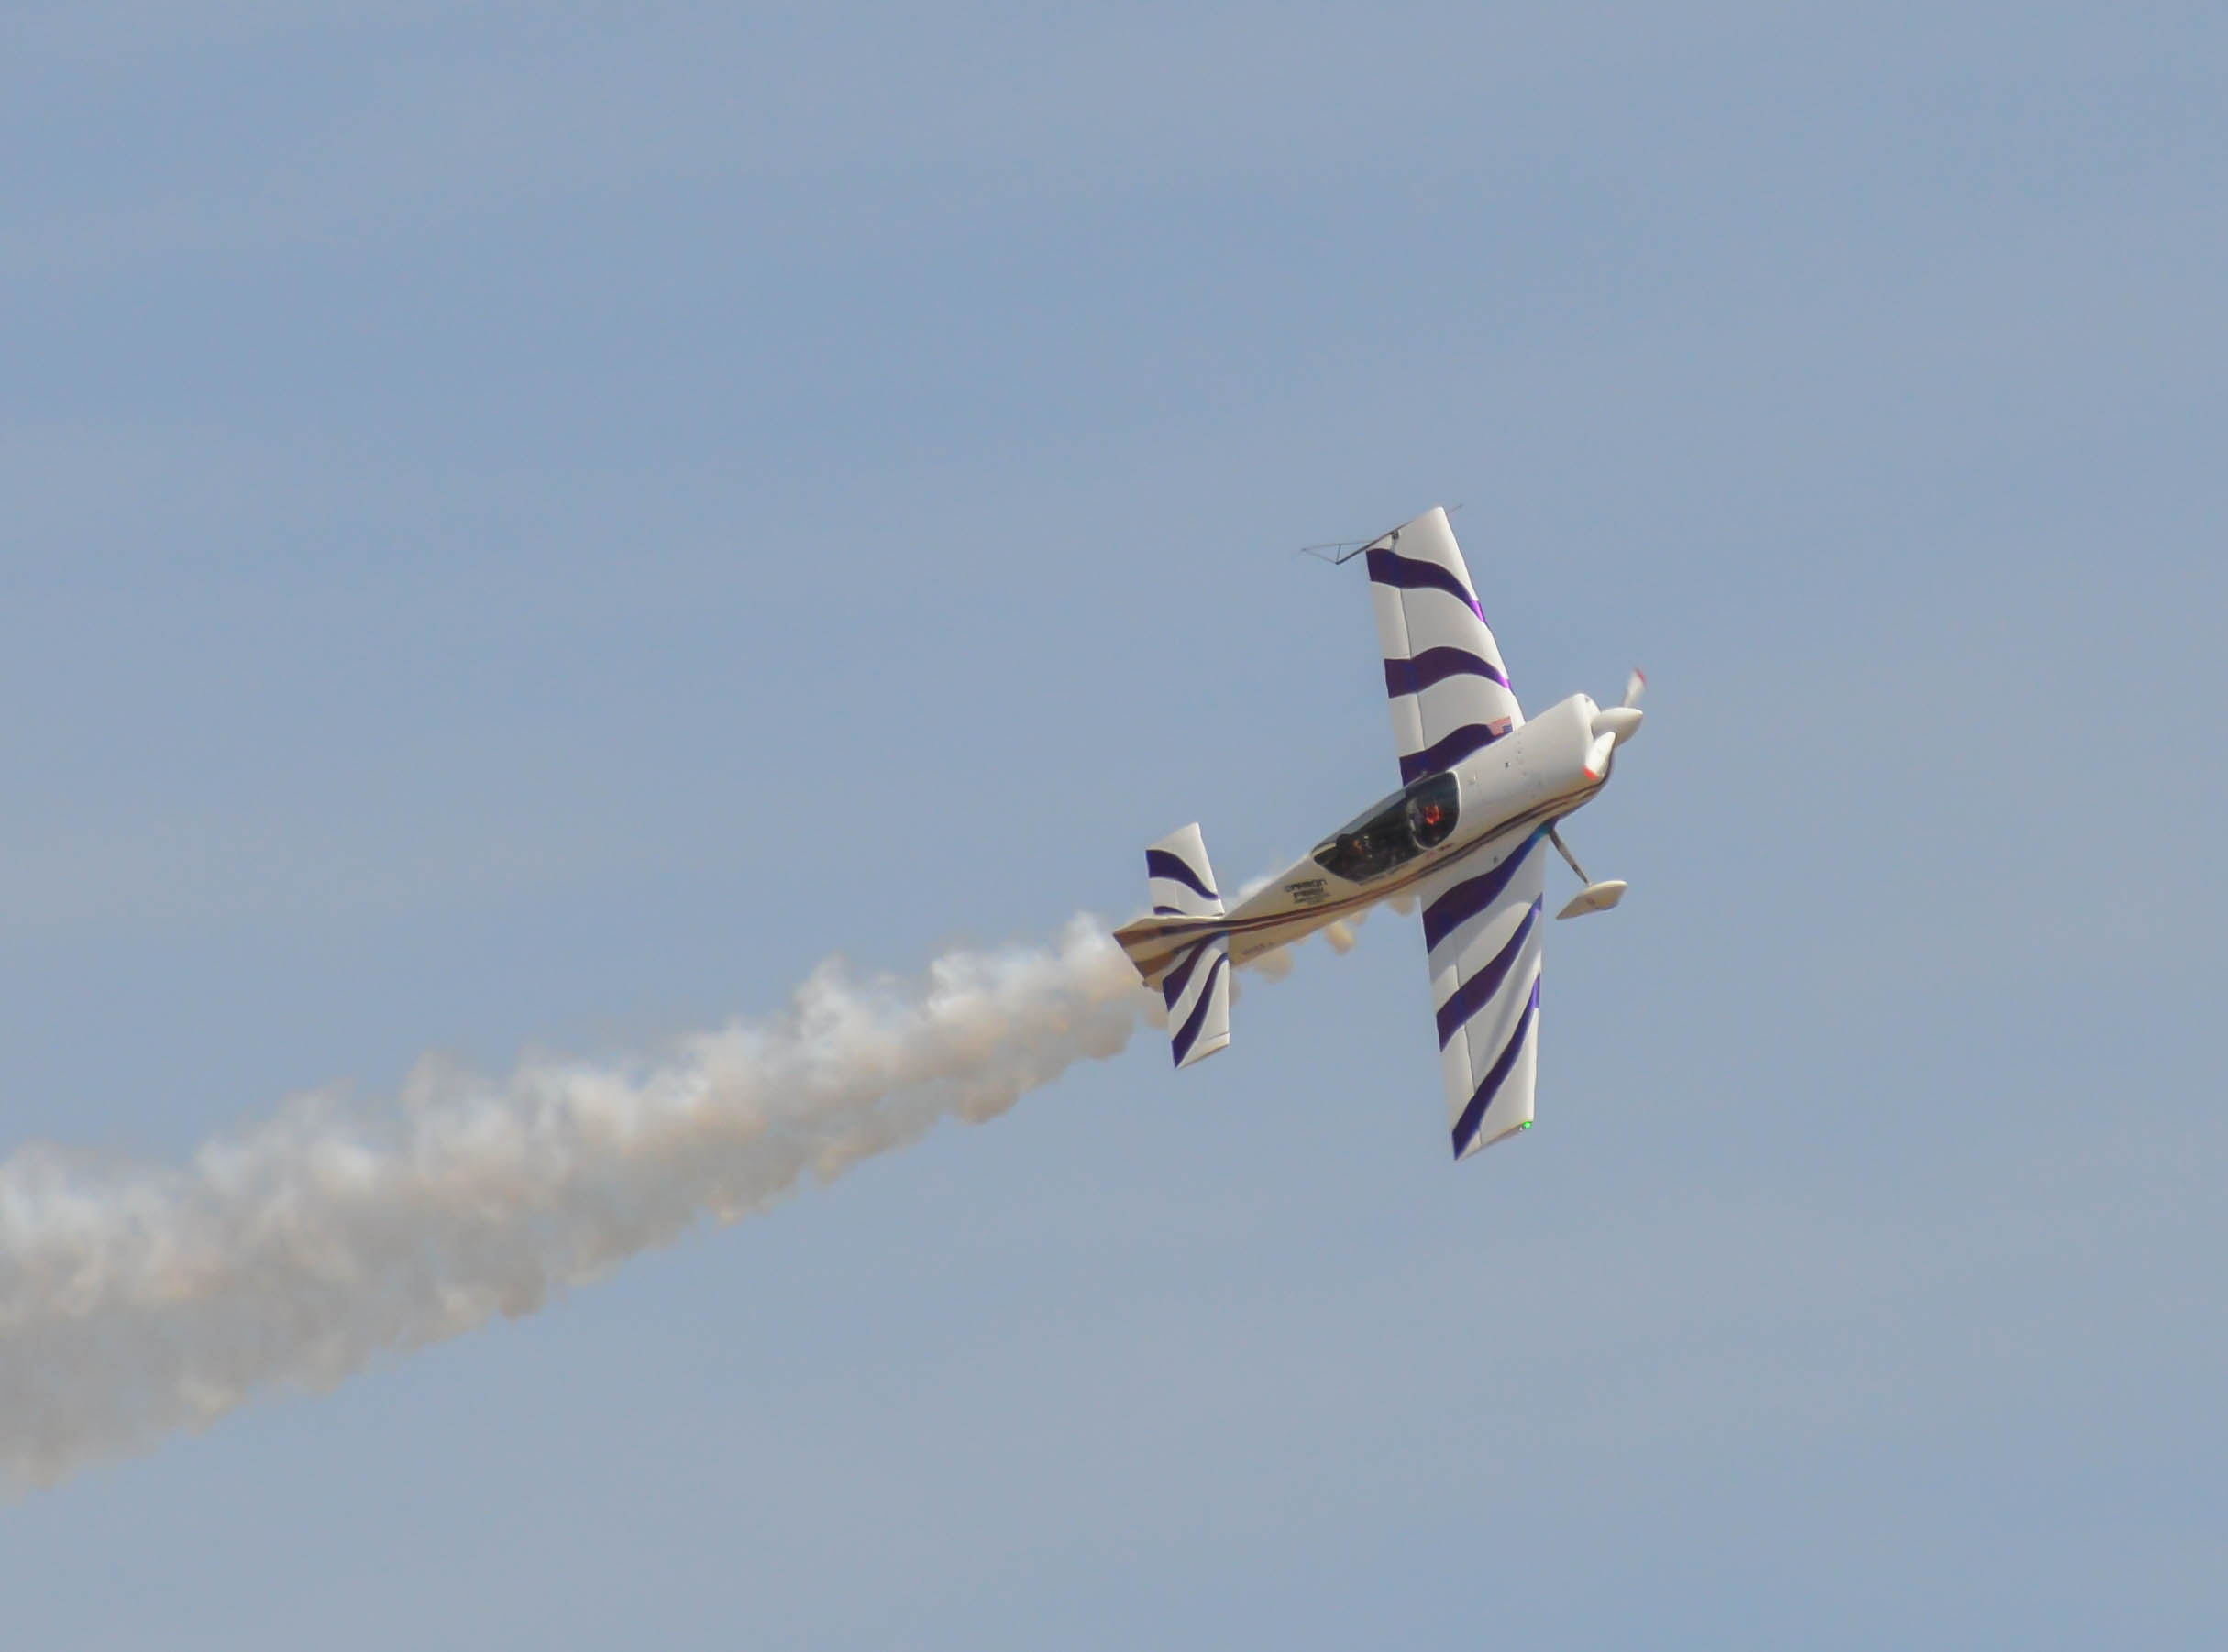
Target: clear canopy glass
[1419,816]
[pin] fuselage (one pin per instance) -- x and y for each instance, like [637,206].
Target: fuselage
[1525,781]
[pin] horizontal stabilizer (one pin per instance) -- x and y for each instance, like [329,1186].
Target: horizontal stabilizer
[1197,990]
[1177,877]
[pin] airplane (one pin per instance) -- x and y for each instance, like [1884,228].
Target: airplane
[1482,792]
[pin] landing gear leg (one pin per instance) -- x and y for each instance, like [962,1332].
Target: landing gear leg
[1569,860]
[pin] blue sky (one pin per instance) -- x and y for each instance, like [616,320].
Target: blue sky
[527,529]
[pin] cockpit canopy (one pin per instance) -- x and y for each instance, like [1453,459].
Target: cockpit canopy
[1419,816]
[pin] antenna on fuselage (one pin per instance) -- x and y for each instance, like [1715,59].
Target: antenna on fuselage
[1569,860]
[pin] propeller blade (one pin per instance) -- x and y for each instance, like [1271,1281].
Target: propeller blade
[1597,754]
[1634,685]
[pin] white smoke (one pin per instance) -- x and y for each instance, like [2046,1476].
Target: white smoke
[137,1300]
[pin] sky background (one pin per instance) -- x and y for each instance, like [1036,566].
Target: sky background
[524,528]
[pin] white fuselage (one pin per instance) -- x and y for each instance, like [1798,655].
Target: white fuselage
[1527,779]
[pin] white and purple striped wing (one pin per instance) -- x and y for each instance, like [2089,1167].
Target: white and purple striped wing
[1443,668]
[1482,925]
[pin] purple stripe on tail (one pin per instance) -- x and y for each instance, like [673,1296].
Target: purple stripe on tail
[1473,1120]
[1188,1034]
[1159,863]
[1175,981]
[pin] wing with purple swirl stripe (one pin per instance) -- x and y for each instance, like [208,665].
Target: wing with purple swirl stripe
[1481,923]
[1442,669]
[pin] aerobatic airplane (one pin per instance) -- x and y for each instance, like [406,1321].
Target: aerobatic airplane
[1482,790]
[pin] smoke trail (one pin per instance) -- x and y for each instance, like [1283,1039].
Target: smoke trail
[138,1300]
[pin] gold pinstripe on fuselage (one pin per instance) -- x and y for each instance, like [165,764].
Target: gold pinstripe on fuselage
[1181,933]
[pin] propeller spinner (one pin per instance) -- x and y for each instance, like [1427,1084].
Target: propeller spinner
[1614,726]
